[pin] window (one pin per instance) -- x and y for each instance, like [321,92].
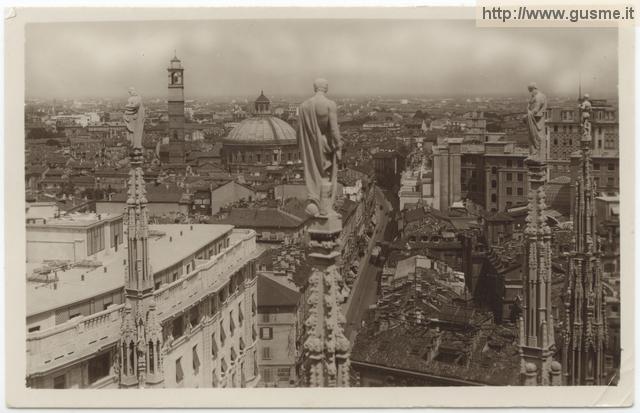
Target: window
[157,285]
[266,333]
[116,231]
[284,373]
[194,315]
[99,367]
[234,356]
[267,375]
[509,191]
[178,327]
[195,360]
[223,336]
[555,140]
[253,333]
[258,157]
[611,167]
[509,176]
[266,353]
[232,325]
[240,315]
[34,329]
[174,276]
[494,184]
[241,344]
[520,177]
[179,372]
[223,365]
[266,317]
[95,240]
[520,191]
[610,181]
[60,382]
[494,170]
[493,198]
[509,163]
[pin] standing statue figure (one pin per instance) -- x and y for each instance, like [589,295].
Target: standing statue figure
[320,145]
[134,119]
[535,120]
[585,117]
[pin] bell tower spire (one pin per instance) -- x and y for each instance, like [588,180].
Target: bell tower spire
[176,99]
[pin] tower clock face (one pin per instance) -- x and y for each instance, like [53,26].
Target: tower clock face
[176,78]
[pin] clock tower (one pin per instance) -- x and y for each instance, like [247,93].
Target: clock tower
[176,100]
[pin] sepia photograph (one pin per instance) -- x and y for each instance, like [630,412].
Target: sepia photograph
[237,202]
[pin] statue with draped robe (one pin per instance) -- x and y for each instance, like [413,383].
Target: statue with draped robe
[134,118]
[320,147]
[535,119]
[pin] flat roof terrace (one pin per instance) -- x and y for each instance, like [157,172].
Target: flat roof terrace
[168,245]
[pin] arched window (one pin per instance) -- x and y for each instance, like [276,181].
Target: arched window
[151,358]
[132,358]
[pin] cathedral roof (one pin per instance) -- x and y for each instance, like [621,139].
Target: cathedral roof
[262,130]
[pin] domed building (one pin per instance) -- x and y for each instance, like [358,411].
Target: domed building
[260,141]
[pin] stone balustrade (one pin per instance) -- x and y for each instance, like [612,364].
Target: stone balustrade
[78,338]
[208,277]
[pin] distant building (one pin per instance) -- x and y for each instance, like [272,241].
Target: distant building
[278,301]
[388,166]
[270,224]
[563,125]
[446,173]
[176,100]
[261,140]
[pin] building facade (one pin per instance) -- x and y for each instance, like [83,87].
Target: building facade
[203,296]
[278,301]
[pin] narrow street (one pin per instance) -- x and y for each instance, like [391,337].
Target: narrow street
[363,293]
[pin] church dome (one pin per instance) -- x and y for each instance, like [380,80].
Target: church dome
[262,130]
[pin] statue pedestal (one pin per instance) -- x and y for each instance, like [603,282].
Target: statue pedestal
[537,342]
[326,349]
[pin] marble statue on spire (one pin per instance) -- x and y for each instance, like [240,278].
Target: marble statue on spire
[585,117]
[320,146]
[535,120]
[134,118]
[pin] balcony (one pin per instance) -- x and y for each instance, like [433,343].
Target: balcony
[209,276]
[72,341]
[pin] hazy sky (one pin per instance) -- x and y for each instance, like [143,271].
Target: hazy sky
[241,57]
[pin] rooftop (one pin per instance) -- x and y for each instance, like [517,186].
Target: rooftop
[76,220]
[168,245]
[274,294]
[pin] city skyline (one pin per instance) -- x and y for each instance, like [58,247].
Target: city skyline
[359,57]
